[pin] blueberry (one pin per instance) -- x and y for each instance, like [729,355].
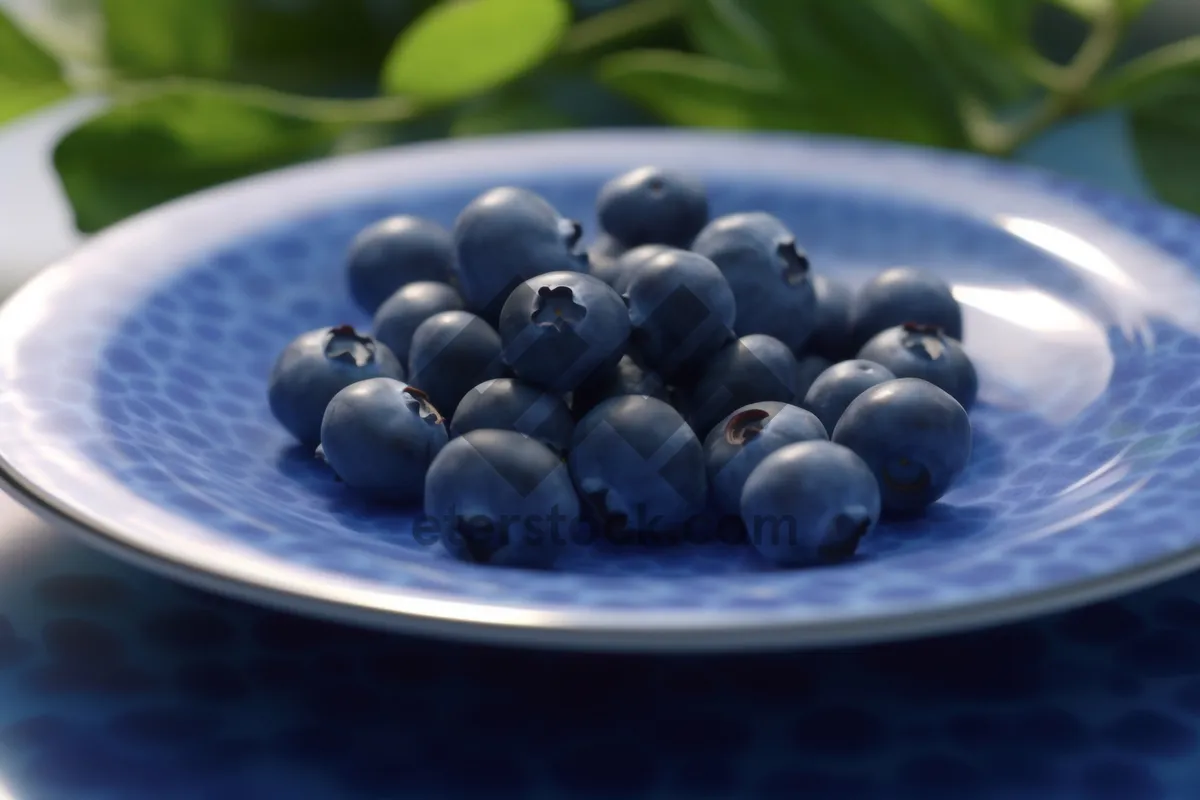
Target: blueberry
[650,205]
[316,366]
[562,327]
[380,436]
[808,369]
[915,438]
[603,257]
[922,351]
[507,236]
[682,312]
[629,376]
[768,273]
[905,294]
[394,252]
[397,319]
[837,387]
[833,336]
[500,497]
[638,465]
[809,503]
[452,352]
[631,263]
[743,439]
[506,404]
[752,369]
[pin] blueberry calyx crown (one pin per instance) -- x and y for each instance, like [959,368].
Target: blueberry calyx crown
[924,340]
[556,307]
[349,346]
[656,184]
[795,262]
[418,401]
[743,427]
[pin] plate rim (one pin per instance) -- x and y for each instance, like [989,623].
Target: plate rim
[576,628]
[772,636]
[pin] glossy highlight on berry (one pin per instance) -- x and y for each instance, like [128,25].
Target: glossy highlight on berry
[905,294]
[650,205]
[505,237]
[395,252]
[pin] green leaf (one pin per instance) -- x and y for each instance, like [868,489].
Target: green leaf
[1092,9]
[620,25]
[1168,147]
[1084,9]
[725,30]
[972,71]
[1130,8]
[464,47]
[22,61]
[1003,24]
[149,150]
[956,64]
[29,76]
[317,47]
[169,37]
[694,90]
[1151,78]
[862,68]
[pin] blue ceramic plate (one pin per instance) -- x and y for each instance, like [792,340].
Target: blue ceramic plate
[134,403]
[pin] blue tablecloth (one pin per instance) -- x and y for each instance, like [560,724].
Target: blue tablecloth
[116,684]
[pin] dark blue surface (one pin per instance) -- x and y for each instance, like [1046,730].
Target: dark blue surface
[114,684]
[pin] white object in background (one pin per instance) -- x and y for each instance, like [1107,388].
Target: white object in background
[36,224]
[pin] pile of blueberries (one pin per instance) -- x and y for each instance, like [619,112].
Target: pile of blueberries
[683,377]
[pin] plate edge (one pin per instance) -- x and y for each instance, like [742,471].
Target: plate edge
[739,638]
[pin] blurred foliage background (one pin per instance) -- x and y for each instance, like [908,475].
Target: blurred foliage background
[205,91]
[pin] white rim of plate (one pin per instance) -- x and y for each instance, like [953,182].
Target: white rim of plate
[187,552]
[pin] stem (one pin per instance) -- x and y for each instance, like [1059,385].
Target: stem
[1065,96]
[1142,78]
[333,111]
[612,27]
